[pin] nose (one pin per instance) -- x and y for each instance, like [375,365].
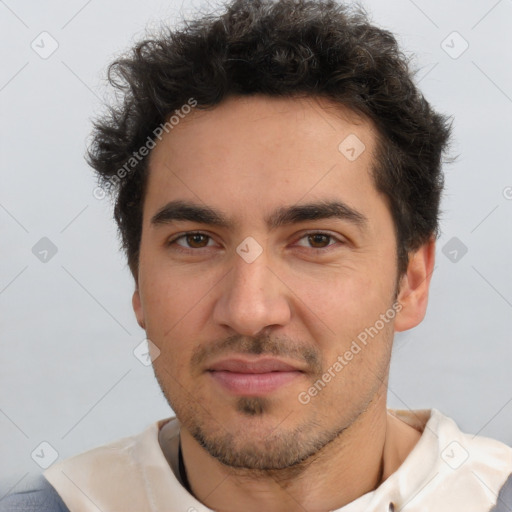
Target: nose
[252,298]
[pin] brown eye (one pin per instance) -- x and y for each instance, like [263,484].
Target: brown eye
[319,240]
[192,240]
[197,240]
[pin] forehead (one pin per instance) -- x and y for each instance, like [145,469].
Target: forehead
[258,152]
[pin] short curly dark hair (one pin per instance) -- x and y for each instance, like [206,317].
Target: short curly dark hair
[277,48]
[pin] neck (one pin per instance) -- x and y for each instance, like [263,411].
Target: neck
[365,454]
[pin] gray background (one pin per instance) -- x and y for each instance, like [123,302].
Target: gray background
[68,373]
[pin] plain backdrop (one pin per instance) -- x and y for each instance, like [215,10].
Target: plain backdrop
[68,374]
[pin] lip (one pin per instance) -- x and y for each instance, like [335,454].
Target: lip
[264,365]
[253,378]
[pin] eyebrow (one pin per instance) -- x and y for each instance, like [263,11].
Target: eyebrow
[286,215]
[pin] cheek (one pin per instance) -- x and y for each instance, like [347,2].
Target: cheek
[172,294]
[171,310]
[346,301]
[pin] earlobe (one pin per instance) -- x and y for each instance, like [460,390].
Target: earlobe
[137,308]
[414,287]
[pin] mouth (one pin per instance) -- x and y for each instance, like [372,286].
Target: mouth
[253,378]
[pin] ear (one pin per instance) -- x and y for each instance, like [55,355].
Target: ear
[137,308]
[414,287]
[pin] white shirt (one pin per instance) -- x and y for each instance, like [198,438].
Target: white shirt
[446,471]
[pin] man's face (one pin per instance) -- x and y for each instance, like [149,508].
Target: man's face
[267,278]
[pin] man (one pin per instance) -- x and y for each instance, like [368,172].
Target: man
[277,178]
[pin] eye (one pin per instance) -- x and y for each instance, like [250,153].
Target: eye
[318,240]
[192,240]
[198,240]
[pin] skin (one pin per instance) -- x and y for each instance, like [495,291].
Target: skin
[303,300]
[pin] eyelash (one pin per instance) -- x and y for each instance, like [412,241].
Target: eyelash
[305,235]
